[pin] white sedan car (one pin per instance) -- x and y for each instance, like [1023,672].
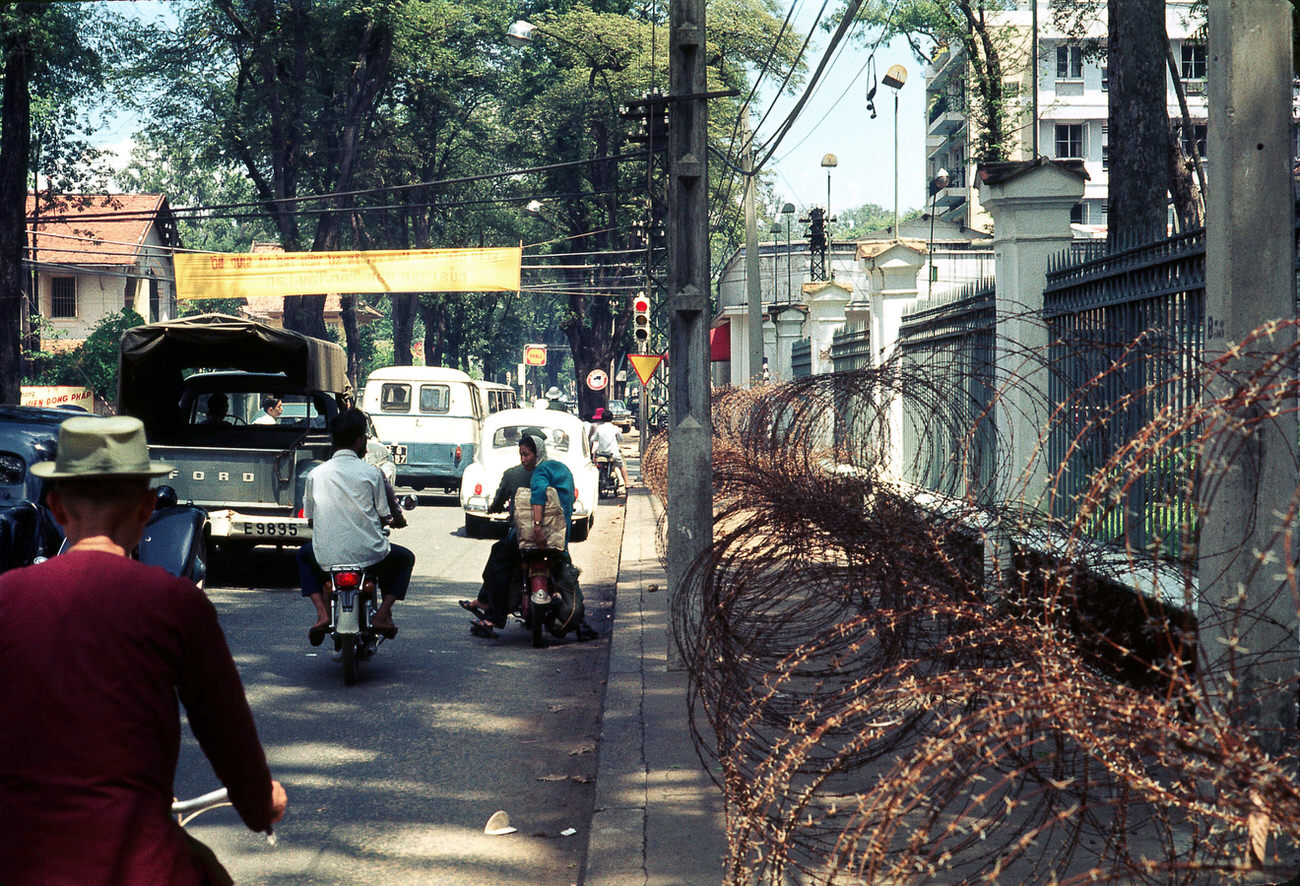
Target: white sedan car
[566,441]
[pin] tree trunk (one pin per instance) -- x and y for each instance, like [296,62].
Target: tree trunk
[1139,122]
[403,328]
[434,314]
[352,338]
[1186,196]
[15,145]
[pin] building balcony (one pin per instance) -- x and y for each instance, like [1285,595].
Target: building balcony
[946,123]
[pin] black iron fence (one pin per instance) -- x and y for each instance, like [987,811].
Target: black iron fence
[851,349]
[1126,331]
[801,358]
[949,436]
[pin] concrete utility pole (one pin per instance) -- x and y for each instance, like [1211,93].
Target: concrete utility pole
[1247,616]
[690,452]
[753,286]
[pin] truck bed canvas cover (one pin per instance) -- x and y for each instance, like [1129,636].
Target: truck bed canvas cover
[154,358]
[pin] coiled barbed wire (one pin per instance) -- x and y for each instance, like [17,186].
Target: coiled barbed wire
[950,680]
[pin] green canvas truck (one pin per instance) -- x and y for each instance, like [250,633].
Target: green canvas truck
[199,383]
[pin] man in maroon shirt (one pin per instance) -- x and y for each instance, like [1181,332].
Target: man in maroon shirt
[96,650]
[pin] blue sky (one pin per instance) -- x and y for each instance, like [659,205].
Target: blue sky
[835,120]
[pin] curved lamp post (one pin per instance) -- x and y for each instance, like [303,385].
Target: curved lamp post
[894,78]
[522,33]
[940,181]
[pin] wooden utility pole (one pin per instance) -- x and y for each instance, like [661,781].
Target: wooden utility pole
[690,453]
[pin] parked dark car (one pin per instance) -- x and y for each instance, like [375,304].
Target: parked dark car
[175,537]
[28,435]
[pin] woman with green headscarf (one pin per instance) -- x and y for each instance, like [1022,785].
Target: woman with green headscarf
[555,474]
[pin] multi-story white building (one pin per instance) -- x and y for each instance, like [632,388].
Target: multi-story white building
[1072,106]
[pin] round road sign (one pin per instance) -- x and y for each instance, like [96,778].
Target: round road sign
[597,379]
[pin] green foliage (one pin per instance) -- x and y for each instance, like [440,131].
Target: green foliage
[93,364]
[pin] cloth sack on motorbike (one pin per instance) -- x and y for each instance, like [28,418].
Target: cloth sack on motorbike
[568,610]
[552,520]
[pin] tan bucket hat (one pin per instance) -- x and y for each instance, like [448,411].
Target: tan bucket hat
[91,447]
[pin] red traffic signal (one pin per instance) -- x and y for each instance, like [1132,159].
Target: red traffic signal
[641,319]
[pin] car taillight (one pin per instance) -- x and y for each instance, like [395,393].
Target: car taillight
[301,513]
[457,453]
[347,579]
[478,488]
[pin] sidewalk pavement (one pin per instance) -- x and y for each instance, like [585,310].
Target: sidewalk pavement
[658,819]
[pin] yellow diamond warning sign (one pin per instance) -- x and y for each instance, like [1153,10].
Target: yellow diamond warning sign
[645,365]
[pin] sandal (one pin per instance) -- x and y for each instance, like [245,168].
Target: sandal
[473,607]
[481,627]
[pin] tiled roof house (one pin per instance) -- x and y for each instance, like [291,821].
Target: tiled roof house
[96,254]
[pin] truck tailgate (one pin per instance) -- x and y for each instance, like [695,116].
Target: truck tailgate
[220,477]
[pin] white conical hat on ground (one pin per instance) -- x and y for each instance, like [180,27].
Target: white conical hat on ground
[498,825]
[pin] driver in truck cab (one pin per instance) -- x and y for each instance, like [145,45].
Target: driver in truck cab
[347,506]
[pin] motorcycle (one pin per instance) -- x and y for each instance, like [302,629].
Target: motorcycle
[537,596]
[175,537]
[352,594]
[608,485]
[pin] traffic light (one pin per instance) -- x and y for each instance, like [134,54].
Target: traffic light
[641,321]
[817,233]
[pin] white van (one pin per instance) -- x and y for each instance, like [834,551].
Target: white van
[497,396]
[430,418]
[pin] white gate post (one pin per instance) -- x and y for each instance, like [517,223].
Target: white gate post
[1030,203]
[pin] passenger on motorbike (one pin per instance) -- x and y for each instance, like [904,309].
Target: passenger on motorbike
[606,440]
[345,501]
[492,606]
[98,648]
[497,585]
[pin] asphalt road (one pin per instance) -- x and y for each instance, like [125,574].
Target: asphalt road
[393,780]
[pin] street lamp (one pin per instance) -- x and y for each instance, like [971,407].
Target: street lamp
[788,211]
[894,78]
[521,33]
[940,181]
[829,162]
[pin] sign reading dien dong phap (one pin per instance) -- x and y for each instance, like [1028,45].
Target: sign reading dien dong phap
[239,275]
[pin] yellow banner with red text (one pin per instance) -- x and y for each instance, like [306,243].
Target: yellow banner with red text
[250,275]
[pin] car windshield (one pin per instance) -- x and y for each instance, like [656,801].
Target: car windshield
[507,437]
[617,405]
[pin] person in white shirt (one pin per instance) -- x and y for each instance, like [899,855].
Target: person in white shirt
[271,409]
[606,440]
[346,503]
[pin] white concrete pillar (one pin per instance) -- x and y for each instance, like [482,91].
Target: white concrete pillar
[826,303]
[1030,203]
[787,328]
[891,267]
